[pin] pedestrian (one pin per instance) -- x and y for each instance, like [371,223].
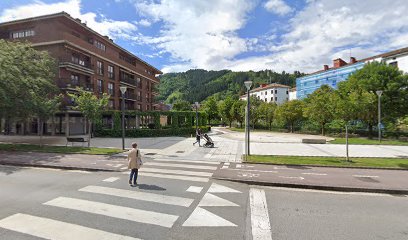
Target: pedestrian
[198,137]
[134,163]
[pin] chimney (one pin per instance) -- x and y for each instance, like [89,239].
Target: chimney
[353,60]
[326,67]
[339,63]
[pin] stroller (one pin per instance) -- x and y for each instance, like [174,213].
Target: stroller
[208,141]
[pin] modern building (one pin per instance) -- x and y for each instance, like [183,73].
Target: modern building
[85,59]
[274,92]
[341,70]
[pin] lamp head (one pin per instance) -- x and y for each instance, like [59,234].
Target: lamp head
[248,84]
[379,92]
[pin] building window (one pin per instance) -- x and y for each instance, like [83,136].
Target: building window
[22,34]
[276,99]
[271,91]
[394,64]
[287,91]
[100,86]
[271,99]
[139,107]
[316,81]
[100,45]
[111,89]
[74,80]
[111,73]
[99,67]
[276,91]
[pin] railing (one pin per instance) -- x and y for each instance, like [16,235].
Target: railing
[69,60]
[66,83]
[128,81]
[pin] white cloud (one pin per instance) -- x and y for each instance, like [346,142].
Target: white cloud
[144,23]
[104,26]
[197,33]
[278,7]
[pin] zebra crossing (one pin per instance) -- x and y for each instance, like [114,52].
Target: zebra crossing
[193,177]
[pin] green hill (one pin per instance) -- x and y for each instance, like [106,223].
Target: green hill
[197,85]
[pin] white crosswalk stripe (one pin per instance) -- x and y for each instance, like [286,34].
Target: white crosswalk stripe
[176,165]
[131,214]
[174,177]
[52,229]
[180,172]
[186,161]
[143,196]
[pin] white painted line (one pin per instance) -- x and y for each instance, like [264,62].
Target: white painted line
[124,168]
[317,174]
[52,229]
[227,164]
[186,161]
[203,218]
[111,179]
[194,189]
[217,188]
[131,214]
[210,200]
[181,172]
[118,165]
[238,166]
[224,167]
[301,178]
[142,196]
[180,165]
[261,227]
[250,170]
[174,177]
[333,192]
[365,176]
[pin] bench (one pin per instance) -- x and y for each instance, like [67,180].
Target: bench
[314,141]
[75,139]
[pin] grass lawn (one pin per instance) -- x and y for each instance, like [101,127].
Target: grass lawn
[332,161]
[365,141]
[58,149]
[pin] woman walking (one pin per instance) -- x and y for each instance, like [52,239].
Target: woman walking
[198,136]
[134,163]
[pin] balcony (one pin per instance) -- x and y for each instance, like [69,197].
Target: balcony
[67,84]
[83,66]
[128,81]
[129,96]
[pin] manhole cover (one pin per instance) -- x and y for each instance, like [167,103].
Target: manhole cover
[180,152]
[150,154]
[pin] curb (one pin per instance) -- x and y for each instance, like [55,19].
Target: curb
[306,165]
[317,187]
[58,167]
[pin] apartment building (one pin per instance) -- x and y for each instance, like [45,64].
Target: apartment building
[341,70]
[276,93]
[89,60]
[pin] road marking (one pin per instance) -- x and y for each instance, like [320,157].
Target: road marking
[118,165]
[203,218]
[217,188]
[111,179]
[181,172]
[124,168]
[250,170]
[301,178]
[227,164]
[194,189]
[365,176]
[131,214]
[186,161]
[180,165]
[210,200]
[142,196]
[317,174]
[249,175]
[238,166]
[224,167]
[174,177]
[52,229]
[261,227]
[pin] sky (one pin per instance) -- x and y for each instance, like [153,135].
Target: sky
[240,35]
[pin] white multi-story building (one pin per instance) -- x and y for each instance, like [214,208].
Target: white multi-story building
[292,94]
[274,92]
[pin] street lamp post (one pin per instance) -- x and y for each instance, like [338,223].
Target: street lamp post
[123,90]
[379,92]
[197,105]
[248,85]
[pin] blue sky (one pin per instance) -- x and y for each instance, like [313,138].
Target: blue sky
[241,35]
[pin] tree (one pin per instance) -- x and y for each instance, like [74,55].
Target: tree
[90,105]
[379,76]
[210,108]
[181,105]
[319,106]
[25,74]
[225,109]
[290,112]
[238,111]
[254,114]
[267,112]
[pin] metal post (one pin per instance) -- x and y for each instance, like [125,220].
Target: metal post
[196,106]
[123,121]
[248,124]
[347,145]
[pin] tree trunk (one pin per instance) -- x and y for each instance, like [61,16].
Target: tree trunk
[230,124]
[323,129]
[89,133]
[40,129]
[291,127]
[270,126]
[370,131]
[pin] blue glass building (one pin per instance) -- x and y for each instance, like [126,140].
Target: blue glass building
[308,84]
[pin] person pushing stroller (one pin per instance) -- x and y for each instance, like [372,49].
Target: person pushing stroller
[198,136]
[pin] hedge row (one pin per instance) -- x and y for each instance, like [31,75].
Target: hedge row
[135,133]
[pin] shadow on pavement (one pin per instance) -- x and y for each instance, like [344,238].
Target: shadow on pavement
[9,169]
[297,167]
[150,187]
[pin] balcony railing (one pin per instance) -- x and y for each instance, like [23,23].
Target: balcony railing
[128,81]
[65,83]
[78,65]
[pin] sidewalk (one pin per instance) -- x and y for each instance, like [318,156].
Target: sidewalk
[322,178]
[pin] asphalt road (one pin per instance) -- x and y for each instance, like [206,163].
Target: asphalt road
[182,202]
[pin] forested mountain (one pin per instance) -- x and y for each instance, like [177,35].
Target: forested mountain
[196,85]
